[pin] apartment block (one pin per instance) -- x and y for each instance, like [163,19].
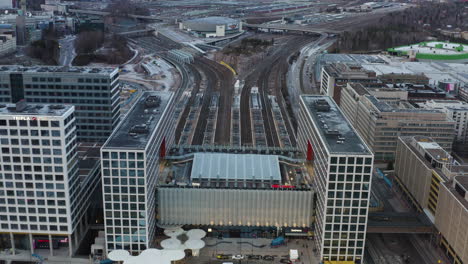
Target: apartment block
[93,91]
[342,165]
[130,169]
[46,187]
[437,185]
[381,115]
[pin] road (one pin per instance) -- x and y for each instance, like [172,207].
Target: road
[67,50]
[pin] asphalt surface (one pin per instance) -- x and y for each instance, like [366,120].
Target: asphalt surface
[67,50]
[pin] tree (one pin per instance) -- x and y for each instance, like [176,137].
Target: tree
[47,50]
[125,8]
[89,41]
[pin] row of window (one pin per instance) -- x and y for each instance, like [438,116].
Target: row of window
[125,206]
[349,178]
[125,214]
[30,177]
[350,169]
[350,160]
[26,151]
[123,173]
[24,227]
[125,181]
[28,168]
[347,211]
[122,155]
[32,210]
[29,185]
[30,123]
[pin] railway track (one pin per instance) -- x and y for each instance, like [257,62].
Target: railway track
[272,67]
[219,80]
[197,80]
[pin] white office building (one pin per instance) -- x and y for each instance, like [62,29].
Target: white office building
[456,110]
[130,169]
[342,165]
[44,195]
[93,91]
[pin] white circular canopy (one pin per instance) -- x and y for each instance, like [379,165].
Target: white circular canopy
[196,234]
[171,243]
[119,255]
[174,232]
[195,244]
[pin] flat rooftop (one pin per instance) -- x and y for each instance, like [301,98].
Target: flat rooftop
[34,109]
[383,65]
[456,192]
[236,167]
[141,122]
[58,69]
[335,130]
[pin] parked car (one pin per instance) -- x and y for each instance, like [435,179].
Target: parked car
[238,257]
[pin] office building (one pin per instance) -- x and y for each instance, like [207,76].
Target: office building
[45,187]
[93,91]
[241,194]
[437,185]
[335,76]
[342,165]
[381,115]
[7,44]
[456,110]
[130,170]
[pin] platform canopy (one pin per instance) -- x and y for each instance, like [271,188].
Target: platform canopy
[223,166]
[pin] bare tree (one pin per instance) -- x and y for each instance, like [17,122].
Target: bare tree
[89,41]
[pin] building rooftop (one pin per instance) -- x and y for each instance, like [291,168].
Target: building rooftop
[349,71]
[58,69]
[435,71]
[236,167]
[459,189]
[23,108]
[337,133]
[401,107]
[140,123]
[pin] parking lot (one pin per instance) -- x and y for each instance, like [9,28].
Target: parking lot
[253,251]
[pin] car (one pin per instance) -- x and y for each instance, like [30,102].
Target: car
[238,257]
[222,256]
[254,257]
[268,258]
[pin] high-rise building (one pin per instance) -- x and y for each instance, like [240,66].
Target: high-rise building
[437,185]
[342,165]
[45,188]
[381,115]
[130,169]
[93,91]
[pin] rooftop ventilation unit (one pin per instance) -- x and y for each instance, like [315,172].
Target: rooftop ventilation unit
[152,101]
[56,107]
[139,129]
[322,106]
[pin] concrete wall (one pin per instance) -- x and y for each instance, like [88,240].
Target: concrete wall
[413,173]
[452,222]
